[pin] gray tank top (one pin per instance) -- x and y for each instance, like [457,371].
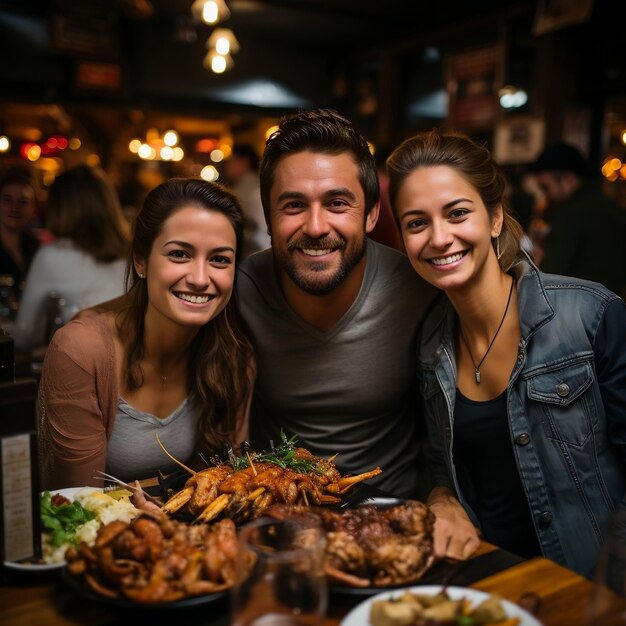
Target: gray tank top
[133,451]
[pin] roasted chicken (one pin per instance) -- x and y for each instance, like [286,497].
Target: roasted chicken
[367,546]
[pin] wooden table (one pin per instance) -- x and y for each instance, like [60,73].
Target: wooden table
[47,601]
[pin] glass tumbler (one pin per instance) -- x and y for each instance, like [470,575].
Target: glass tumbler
[280,577]
[608,601]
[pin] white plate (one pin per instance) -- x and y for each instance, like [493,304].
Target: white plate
[69,493]
[360,614]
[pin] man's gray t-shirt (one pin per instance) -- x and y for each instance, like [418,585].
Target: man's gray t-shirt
[350,390]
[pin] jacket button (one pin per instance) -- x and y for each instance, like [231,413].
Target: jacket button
[562,390]
[545,519]
[523,439]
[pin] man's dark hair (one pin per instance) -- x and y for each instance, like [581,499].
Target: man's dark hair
[318,130]
[562,157]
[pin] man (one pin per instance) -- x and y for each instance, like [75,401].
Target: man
[333,315]
[588,230]
[241,173]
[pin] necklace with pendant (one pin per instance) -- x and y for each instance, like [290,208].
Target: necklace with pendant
[477,365]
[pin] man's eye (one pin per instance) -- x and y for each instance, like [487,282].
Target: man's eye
[294,205]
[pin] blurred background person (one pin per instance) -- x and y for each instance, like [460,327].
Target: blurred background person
[522,205]
[17,211]
[241,175]
[85,264]
[587,228]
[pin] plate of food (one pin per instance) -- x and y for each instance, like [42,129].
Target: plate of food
[125,605]
[244,486]
[70,516]
[435,605]
[154,562]
[379,544]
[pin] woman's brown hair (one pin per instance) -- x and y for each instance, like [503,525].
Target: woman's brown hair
[472,161]
[83,207]
[221,355]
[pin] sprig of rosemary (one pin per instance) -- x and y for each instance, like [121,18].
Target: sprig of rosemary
[284,455]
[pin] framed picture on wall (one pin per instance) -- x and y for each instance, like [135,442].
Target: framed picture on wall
[473,78]
[518,140]
[554,14]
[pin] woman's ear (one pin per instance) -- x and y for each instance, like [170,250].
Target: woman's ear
[497,220]
[139,267]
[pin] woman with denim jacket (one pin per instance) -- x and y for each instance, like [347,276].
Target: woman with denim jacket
[523,374]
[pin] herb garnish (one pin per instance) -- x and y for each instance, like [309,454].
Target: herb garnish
[62,521]
[284,455]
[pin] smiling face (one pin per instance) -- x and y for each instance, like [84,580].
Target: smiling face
[17,206]
[318,220]
[446,228]
[191,267]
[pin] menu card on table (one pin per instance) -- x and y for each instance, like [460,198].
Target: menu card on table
[19,498]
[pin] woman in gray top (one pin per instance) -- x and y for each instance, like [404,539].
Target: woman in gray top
[168,350]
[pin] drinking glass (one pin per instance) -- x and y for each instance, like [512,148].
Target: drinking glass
[280,577]
[608,601]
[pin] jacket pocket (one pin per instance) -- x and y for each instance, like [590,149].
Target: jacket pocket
[558,393]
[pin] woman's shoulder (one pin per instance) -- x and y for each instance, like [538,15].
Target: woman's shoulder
[91,330]
[565,290]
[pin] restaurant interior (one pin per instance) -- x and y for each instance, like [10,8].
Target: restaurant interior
[148,90]
[80,80]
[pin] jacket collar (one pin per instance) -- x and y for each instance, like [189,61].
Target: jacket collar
[533,304]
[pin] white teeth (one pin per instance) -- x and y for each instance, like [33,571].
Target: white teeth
[316,251]
[448,259]
[193,299]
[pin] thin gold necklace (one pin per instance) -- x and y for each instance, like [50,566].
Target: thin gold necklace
[477,365]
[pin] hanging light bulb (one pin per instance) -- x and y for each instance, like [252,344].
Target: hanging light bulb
[218,63]
[223,41]
[210,11]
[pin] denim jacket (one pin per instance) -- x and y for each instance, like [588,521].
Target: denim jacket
[566,407]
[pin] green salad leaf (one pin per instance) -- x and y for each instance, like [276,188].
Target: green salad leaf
[61,521]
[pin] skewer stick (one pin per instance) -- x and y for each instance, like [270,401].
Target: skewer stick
[251,463]
[333,457]
[147,496]
[245,447]
[192,472]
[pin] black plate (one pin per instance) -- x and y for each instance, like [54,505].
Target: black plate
[79,586]
[439,573]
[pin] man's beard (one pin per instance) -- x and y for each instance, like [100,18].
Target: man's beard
[322,285]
